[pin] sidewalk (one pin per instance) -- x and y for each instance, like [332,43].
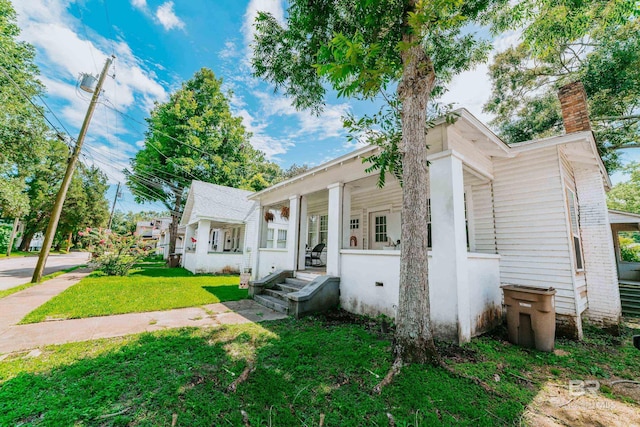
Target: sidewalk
[24,337]
[14,307]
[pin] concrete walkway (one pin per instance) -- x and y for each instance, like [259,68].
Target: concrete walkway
[24,337]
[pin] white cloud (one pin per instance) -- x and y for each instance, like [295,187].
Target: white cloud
[270,146]
[326,125]
[168,18]
[472,89]
[139,4]
[63,54]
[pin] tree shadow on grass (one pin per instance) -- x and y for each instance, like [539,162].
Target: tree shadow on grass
[161,272]
[303,368]
[227,292]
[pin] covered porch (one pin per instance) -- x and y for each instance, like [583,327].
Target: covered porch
[215,246]
[628,271]
[341,207]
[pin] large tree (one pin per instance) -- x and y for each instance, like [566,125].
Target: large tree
[597,42]
[362,48]
[194,135]
[22,127]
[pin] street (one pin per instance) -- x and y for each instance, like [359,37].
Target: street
[17,271]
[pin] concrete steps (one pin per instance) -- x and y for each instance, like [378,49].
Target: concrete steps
[271,302]
[275,298]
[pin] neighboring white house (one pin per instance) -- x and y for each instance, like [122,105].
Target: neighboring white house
[530,214]
[165,237]
[152,231]
[220,226]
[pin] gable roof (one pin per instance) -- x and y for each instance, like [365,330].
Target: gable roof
[218,203]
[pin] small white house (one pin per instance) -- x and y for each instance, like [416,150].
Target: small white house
[220,229]
[531,214]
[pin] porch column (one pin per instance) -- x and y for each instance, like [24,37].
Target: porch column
[202,244]
[292,233]
[302,237]
[346,216]
[448,278]
[334,232]
[258,239]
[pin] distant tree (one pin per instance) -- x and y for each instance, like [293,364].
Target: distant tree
[194,136]
[364,48]
[625,196]
[597,42]
[294,170]
[85,206]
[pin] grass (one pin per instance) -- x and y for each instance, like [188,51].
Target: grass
[18,254]
[19,288]
[24,253]
[150,287]
[304,370]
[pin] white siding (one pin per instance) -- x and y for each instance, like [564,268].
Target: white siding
[531,232]
[389,196]
[482,217]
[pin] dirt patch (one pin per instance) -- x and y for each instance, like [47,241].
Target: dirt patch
[341,317]
[557,405]
[456,353]
[622,387]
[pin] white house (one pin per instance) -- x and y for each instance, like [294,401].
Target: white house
[530,214]
[220,226]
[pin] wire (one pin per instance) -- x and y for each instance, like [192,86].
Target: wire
[155,129]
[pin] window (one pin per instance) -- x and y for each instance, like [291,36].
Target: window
[354,224]
[282,239]
[312,231]
[324,228]
[214,240]
[575,230]
[270,234]
[235,239]
[276,238]
[381,229]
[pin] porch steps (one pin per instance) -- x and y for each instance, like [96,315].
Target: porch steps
[276,299]
[630,298]
[308,277]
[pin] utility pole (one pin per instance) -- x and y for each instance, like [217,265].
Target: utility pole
[113,208]
[62,193]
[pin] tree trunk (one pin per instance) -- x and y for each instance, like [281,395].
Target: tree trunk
[413,341]
[26,242]
[173,228]
[14,231]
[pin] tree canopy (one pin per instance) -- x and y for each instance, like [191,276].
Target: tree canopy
[364,49]
[194,135]
[625,196]
[597,42]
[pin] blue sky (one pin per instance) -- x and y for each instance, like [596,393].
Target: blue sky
[158,44]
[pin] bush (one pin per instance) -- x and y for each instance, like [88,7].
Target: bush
[113,254]
[5,235]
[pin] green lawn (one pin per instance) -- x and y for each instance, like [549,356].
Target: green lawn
[18,254]
[304,370]
[151,288]
[19,288]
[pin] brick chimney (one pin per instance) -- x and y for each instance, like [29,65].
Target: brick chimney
[573,102]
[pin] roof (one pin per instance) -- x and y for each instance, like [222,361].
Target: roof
[490,142]
[622,217]
[217,203]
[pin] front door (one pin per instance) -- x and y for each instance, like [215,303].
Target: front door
[378,222]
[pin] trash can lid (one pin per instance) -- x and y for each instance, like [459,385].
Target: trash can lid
[529,289]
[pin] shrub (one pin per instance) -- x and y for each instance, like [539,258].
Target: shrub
[113,254]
